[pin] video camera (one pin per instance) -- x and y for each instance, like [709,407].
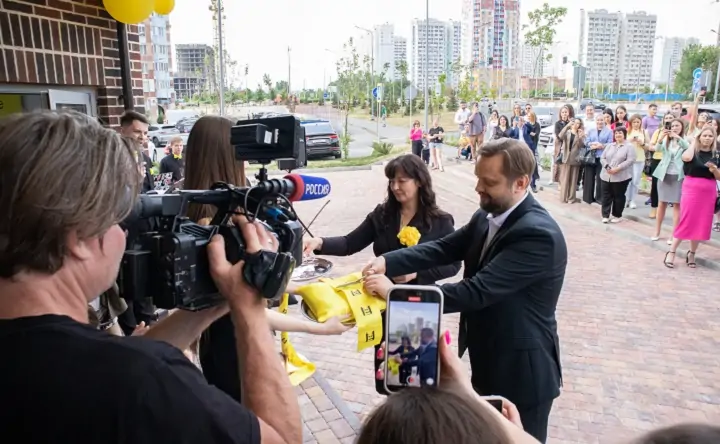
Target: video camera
[169,262]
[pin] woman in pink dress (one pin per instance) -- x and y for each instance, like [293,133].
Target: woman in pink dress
[416,135]
[697,202]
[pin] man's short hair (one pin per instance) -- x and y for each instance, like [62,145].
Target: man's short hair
[427,332]
[652,105]
[518,159]
[676,103]
[175,140]
[129,117]
[590,105]
[60,172]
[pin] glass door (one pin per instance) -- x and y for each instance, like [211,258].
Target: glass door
[78,101]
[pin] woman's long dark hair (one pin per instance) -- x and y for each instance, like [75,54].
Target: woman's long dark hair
[609,112]
[210,158]
[507,122]
[571,111]
[414,168]
[625,119]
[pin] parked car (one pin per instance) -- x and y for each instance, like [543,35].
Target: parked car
[545,116]
[321,139]
[185,125]
[547,139]
[161,134]
[584,103]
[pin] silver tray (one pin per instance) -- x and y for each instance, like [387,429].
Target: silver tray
[312,268]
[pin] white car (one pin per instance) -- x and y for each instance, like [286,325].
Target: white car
[160,135]
[545,116]
[547,140]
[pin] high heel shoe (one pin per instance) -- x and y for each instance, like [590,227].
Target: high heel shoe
[687,260]
[669,264]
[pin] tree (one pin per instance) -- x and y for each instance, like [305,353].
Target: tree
[540,33]
[268,82]
[259,94]
[348,81]
[696,56]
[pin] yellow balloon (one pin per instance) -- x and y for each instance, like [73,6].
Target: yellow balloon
[164,7]
[129,12]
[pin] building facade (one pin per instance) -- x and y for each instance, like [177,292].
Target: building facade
[673,48]
[195,71]
[443,42]
[156,53]
[491,33]
[384,50]
[65,55]
[620,49]
[400,55]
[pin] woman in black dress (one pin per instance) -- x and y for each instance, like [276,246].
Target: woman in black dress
[410,202]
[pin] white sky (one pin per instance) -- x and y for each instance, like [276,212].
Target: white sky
[259,35]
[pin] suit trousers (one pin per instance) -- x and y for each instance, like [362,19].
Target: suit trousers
[653,188]
[535,419]
[613,198]
[591,188]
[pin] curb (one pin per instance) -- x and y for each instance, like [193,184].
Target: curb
[338,402]
[627,234]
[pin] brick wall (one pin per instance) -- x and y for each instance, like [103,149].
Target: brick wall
[61,42]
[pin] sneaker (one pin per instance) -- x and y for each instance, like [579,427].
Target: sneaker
[605,220]
[615,220]
[633,205]
[550,183]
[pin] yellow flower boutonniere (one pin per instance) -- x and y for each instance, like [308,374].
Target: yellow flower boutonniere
[409,236]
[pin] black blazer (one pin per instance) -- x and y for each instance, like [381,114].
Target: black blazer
[507,299]
[382,234]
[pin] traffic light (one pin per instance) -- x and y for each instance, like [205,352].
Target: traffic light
[564,60]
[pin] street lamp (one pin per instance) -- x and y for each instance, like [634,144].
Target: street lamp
[221,57]
[372,78]
[717,75]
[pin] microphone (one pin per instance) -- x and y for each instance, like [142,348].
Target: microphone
[307,187]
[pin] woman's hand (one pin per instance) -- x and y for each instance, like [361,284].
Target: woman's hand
[581,133]
[378,284]
[613,170]
[334,326]
[311,244]
[140,329]
[404,279]
[532,134]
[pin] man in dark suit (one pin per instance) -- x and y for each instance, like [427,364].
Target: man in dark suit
[515,258]
[425,357]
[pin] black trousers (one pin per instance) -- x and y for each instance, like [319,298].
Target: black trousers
[417,146]
[591,188]
[535,419]
[653,188]
[613,198]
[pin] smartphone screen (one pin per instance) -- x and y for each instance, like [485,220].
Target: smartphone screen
[412,325]
[668,125]
[495,402]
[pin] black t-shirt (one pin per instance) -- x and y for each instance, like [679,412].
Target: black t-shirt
[65,382]
[696,167]
[169,164]
[434,131]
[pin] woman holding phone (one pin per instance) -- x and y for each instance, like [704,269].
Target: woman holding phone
[668,173]
[697,203]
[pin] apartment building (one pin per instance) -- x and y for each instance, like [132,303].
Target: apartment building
[384,50]
[620,48]
[195,69]
[533,62]
[490,33]
[673,48]
[442,40]
[401,54]
[156,59]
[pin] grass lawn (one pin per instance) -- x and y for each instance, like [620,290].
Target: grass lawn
[447,119]
[351,162]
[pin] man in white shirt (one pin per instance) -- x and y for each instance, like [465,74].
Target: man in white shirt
[589,120]
[461,116]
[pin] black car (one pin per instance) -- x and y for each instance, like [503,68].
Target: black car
[185,125]
[321,140]
[594,102]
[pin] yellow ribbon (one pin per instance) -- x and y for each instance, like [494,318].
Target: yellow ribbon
[393,366]
[337,297]
[298,367]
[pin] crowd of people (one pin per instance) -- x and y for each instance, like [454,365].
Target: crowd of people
[67,185]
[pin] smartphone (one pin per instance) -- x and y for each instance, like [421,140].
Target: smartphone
[412,328]
[607,167]
[668,125]
[703,89]
[494,401]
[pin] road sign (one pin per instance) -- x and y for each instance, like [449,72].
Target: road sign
[377,92]
[411,93]
[697,77]
[326,95]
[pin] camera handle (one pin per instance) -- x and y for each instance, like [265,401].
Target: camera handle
[269,272]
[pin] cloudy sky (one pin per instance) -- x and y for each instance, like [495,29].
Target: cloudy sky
[260,35]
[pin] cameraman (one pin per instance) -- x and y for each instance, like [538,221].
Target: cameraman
[65,183]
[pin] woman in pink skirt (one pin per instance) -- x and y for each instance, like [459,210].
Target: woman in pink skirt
[697,202]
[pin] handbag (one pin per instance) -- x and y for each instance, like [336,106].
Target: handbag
[586,156]
[717,200]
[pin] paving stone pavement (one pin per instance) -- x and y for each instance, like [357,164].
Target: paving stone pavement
[639,342]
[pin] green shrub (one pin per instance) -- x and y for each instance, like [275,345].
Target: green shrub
[382,148]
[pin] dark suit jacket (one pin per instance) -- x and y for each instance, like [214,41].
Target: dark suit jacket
[382,233]
[507,299]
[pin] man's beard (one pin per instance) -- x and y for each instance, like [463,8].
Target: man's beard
[494,206]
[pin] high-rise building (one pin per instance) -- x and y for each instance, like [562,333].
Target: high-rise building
[195,69]
[533,62]
[620,49]
[637,50]
[384,50]
[401,54]
[156,60]
[673,48]
[443,42]
[491,33]
[581,42]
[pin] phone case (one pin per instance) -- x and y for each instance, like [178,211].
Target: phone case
[380,386]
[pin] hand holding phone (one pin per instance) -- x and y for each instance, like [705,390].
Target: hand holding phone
[412,326]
